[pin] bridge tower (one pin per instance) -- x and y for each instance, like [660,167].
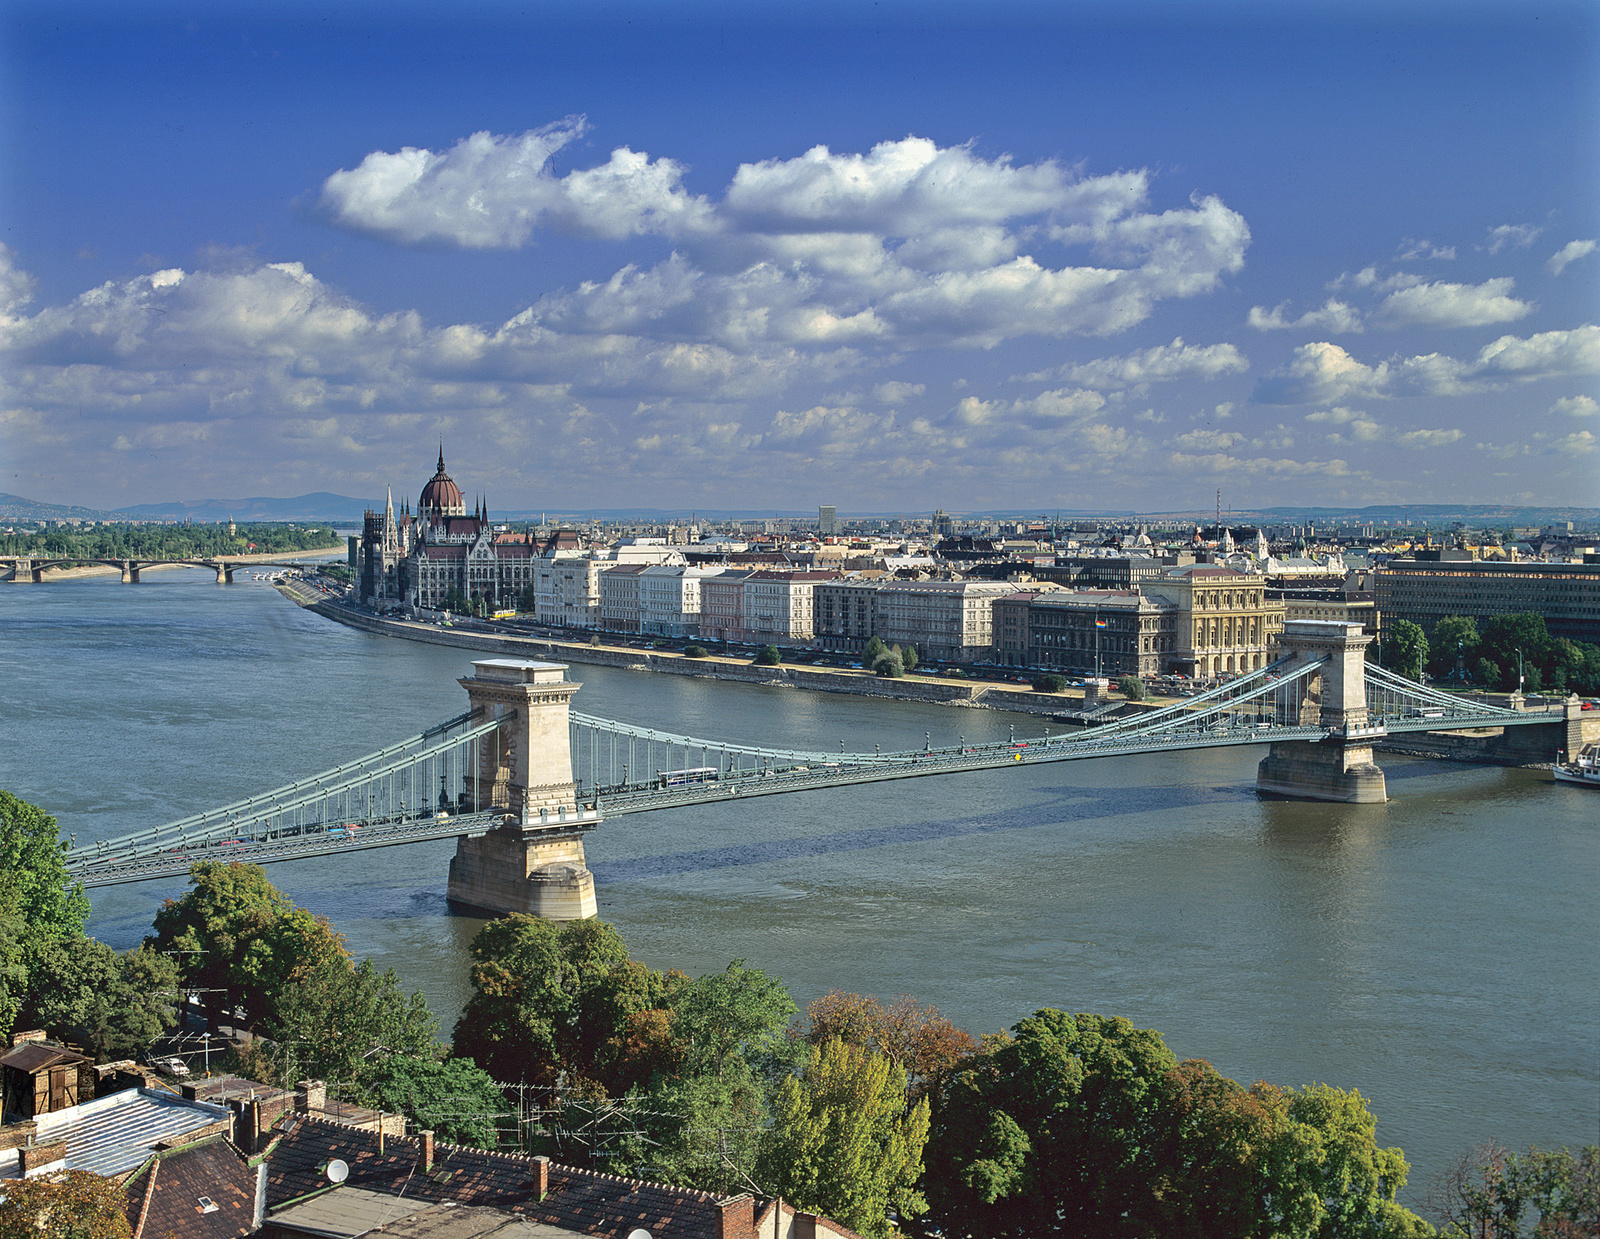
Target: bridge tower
[534,863]
[1340,767]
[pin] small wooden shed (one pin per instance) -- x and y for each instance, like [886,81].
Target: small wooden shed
[39,1078]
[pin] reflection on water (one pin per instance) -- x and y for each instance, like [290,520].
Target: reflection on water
[1437,952]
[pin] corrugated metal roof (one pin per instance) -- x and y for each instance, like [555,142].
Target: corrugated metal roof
[111,1135]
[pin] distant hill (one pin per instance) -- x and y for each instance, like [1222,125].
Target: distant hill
[16,508]
[320,506]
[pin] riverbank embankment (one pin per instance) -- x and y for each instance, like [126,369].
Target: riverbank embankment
[935,690]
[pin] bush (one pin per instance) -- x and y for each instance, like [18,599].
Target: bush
[1131,687]
[1049,683]
[769,656]
[694,651]
[889,665]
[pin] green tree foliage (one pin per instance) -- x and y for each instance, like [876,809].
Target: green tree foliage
[695,651]
[844,1141]
[1082,1125]
[732,1022]
[1453,638]
[1405,649]
[528,600]
[908,656]
[890,664]
[168,541]
[78,1205]
[1049,683]
[1497,1193]
[32,862]
[1131,687]
[769,656]
[875,650]
[554,998]
[341,1023]
[239,939]
[454,1098]
[14,972]
[115,1004]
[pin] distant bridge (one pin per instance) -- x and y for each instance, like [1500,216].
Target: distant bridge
[30,568]
[524,777]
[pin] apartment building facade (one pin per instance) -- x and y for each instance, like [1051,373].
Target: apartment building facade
[1426,591]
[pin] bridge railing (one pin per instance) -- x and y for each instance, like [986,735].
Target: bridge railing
[395,784]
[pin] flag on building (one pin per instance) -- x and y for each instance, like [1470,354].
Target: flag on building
[1099,623]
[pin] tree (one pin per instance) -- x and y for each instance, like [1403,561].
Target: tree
[528,599]
[548,998]
[908,656]
[1455,640]
[1405,649]
[915,1038]
[1496,1193]
[1049,683]
[454,1098]
[725,1021]
[768,657]
[875,650]
[117,1005]
[1085,1125]
[1131,687]
[844,1142]
[341,1023]
[889,664]
[240,940]
[78,1205]
[1510,639]
[14,971]
[32,860]
[695,651]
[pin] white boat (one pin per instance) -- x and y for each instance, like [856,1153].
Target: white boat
[1584,768]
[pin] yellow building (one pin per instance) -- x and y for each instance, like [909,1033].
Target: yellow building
[1227,626]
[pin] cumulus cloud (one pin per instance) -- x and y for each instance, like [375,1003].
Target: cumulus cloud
[1335,316]
[1511,236]
[1569,254]
[492,192]
[1455,305]
[16,285]
[909,241]
[1324,373]
[1355,426]
[1161,364]
[1576,406]
[897,392]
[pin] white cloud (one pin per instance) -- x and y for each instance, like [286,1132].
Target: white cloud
[1580,442]
[908,242]
[1511,236]
[1576,406]
[1411,249]
[1335,316]
[1569,254]
[16,285]
[492,192]
[1323,373]
[1160,364]
[1455,305]
[897,392]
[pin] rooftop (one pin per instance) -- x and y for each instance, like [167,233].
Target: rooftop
[115,1134]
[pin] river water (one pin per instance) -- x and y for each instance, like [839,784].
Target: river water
[1438,952]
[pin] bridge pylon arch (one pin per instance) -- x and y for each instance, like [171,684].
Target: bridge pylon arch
[533,862]
[1340,767]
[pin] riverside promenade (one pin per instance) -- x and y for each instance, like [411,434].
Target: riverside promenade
[933,689]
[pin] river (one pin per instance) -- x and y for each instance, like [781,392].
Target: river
[1438,952]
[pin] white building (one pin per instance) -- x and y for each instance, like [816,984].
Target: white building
[778,607]
[669,599]
[948,620]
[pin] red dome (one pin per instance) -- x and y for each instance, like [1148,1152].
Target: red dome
[441,495]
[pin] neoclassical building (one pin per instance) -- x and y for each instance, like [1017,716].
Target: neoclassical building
[415,559]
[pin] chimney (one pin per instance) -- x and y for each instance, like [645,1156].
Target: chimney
[425,1151]
[541,1177]
[36,1157]
[310,1096]
[736,1217]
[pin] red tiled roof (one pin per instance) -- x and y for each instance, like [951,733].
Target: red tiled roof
[165,1194]
[581,1200]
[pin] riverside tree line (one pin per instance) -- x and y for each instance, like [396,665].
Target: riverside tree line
[168,541]
[889,1119]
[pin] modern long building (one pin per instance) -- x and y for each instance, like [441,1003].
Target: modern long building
[1425,591]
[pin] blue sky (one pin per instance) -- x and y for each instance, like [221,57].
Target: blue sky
[886,256]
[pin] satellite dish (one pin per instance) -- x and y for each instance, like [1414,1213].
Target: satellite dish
[639,1233]
[338,1170]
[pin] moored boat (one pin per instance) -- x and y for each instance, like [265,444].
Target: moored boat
[1584,768]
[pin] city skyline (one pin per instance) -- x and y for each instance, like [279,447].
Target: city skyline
[896,256]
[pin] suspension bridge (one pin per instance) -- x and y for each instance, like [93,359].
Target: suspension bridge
[520,777]
[26,569]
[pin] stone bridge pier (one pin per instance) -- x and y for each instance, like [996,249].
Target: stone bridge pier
[534,862]
[1340,767]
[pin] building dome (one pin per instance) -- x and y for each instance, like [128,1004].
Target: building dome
[441,495]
